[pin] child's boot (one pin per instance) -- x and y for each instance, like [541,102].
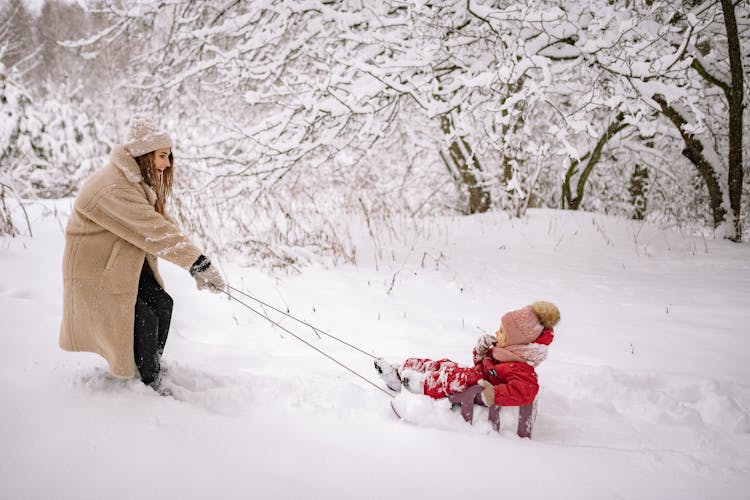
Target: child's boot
[389,374]
[413,381]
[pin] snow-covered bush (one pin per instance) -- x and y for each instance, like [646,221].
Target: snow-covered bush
[47,144]
[287,115]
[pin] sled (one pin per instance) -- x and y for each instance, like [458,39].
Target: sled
[393,407]
[473,395]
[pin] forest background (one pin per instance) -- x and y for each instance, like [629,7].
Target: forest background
[293,118]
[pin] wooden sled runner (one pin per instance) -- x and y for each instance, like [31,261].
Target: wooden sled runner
[473,395]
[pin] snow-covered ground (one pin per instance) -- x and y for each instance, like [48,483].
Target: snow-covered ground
[645,394]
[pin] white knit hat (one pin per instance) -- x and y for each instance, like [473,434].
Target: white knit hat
[145,136]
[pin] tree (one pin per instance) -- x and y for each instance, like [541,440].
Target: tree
[736,110]
[281,104]
[18,35]
[694,46]
[591,158]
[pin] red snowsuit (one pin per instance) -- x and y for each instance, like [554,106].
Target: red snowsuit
[515,382]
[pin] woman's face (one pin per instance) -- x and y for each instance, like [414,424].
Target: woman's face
[161,159]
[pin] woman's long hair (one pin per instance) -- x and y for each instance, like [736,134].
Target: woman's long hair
[161,183]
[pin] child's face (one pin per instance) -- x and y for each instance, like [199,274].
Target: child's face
[502,338]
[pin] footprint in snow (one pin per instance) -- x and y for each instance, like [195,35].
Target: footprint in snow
[223,395]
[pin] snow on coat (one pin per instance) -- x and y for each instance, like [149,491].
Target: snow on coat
[112,228]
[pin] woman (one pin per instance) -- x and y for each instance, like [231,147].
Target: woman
[114,303]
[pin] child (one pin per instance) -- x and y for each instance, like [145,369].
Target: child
[503,363]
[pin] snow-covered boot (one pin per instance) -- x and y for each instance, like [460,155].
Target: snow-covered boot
[159,385]
[389,374]
[413,381]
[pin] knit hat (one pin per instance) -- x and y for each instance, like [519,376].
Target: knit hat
[524,325]
[145,136]
[521,328]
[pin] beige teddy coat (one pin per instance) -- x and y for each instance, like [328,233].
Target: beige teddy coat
[112,227]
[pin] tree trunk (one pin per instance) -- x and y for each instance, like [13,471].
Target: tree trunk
[637,190]
[735,117]
[568,201]
[466,164]
[694,152]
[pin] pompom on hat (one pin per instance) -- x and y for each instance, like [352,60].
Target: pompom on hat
[144,136]
[524,325]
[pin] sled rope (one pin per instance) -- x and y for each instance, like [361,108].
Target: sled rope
[303,340]
[314,328]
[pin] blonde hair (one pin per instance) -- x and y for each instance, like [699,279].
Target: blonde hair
[160,182]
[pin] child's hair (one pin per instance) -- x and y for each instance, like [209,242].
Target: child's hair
[161,184]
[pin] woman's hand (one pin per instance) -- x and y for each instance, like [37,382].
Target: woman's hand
[210,278]
[207,276]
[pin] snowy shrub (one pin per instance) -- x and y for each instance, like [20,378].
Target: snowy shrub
[298,123]
[49,144]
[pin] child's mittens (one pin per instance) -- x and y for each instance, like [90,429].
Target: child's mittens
[484,344]
[488,393]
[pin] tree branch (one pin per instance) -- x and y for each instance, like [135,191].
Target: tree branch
[698,66]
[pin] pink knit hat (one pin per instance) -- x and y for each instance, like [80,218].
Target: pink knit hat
[521,326]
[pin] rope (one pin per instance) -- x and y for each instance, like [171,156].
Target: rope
[303,340]
[315,329]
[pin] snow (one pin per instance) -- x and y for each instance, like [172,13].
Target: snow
[644,394]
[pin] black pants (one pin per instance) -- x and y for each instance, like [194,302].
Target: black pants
[153,312]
